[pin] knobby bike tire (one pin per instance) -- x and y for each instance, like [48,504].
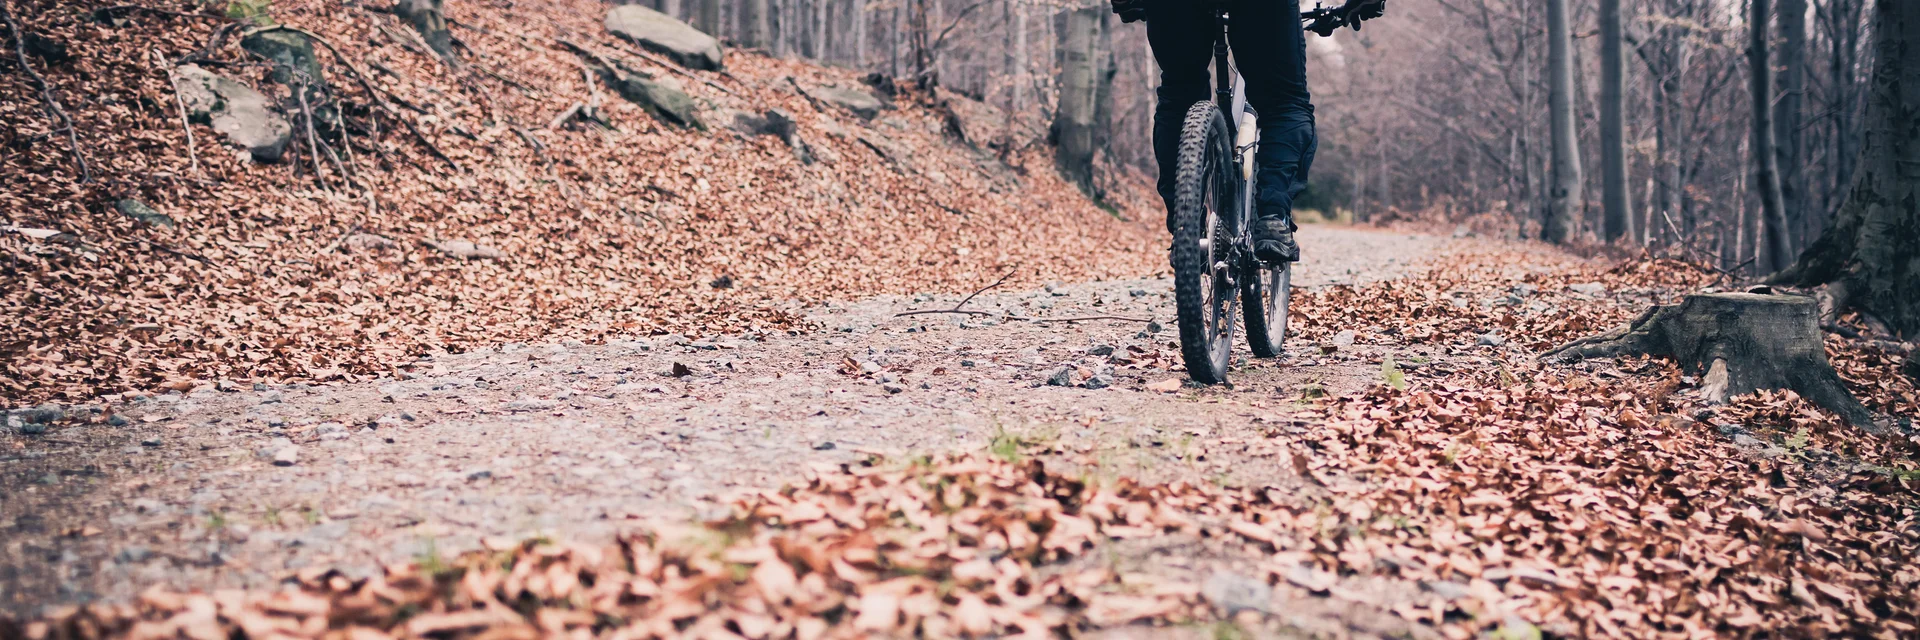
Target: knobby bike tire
[1203,155]
[1266,327]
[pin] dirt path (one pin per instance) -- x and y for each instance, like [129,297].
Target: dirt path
[235,489]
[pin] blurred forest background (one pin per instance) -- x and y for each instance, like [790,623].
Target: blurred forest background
[1445,107]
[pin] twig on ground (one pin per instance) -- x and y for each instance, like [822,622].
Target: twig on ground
[977,292]
[47,100]
[1003,280]
[963,301]
[109,11]
[214,43]
[193,157]
[816,104]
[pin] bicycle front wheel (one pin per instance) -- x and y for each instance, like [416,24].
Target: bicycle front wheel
[1206,219]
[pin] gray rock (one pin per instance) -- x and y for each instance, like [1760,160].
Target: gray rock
[1589,288]
[1234,593]
[1344,338]
[291,53]
[861,103]
[1153,326]
[246,117]
[43,414]
[1137,292]
[1061,378]
[893,388]
[33,429]
[1523,289]
[1491,339]
[661,99]
[367,242]
[138,210]
[1100,350]
[118,420]
[1100,381]
[286,456]
[465,249]
[659,32]
[133,554]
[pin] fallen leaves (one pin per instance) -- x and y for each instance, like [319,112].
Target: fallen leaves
[578,233]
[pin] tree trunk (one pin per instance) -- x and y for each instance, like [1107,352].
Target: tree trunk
[754,28]
[1871,248]
[428,19]
[1074,119]
[1617,207]
[1566,202]
[1010,8]
[1766,170]
[1737,343]
[707,18]
[1788,120]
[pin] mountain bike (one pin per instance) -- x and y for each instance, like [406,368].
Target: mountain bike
[1214,270]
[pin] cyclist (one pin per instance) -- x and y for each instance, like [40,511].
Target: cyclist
[1270,52]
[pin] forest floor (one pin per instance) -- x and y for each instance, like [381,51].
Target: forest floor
[1407,469]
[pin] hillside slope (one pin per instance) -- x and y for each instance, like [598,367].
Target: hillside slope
[270,272]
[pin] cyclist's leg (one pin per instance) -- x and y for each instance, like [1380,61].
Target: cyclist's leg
[1181,33]
[1273,59]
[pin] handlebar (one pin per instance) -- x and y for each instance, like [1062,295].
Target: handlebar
[1325,20]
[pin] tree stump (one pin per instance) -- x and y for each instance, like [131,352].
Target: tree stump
[1737,343]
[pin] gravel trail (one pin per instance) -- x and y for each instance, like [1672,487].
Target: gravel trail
[237,488]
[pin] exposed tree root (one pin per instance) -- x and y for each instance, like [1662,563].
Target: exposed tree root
[1738,343]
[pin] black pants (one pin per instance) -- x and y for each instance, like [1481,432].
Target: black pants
[1270,51]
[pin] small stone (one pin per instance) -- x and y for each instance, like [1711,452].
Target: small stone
[150,442]
[118,420]
[885,378]
[1589,288]
[1344,338]
[287,456]
[1061,378]
[1523,290]
[1492,339]
[869,367]
[1100,381]
[530,404]
[966,363]
[1137,292]
[824,446]
[482,474]
[1463,231]
[1234,593]
[1153,326]
[893,388]
[33,429]
[143,212]
[133,554]
[1100,350]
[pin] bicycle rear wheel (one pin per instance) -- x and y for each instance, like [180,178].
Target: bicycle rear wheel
[1206,219]
[1266,291]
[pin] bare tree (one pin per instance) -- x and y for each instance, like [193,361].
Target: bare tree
[1566,202]
[1868,252]
[1788,126]
[1616,205]
[1075,118]
[1766,171]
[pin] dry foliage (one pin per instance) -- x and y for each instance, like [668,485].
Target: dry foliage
[1591,501]
[276,272]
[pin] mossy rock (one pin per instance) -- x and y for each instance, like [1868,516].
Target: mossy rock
[662,100]
[291,53]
